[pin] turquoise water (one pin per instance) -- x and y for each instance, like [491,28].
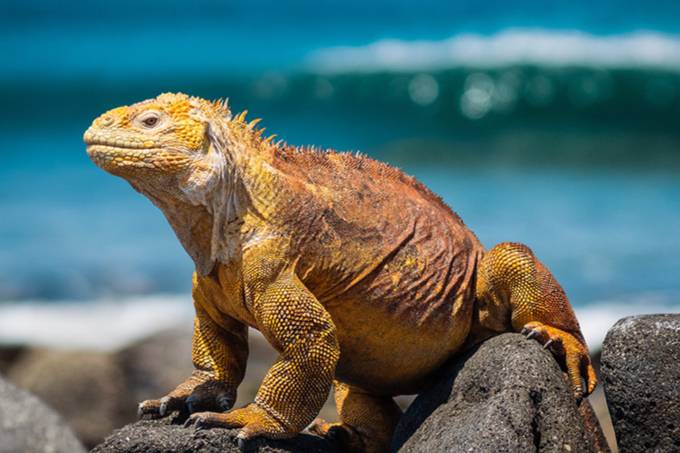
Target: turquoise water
[574,150]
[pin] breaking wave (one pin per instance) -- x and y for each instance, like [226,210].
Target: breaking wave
[506,48]
[100,325]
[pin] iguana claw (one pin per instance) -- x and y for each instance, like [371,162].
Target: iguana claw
[198,393]
[570,351]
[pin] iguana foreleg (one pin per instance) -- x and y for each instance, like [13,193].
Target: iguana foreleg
[219,354]
[367,421]
[515,291]
[297,385]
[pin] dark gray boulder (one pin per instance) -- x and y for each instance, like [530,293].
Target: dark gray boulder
[161,436]
[641,377]
[86,388]
[98,391]
[507,395]
[27,425]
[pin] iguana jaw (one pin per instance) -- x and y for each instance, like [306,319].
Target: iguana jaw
[125,157]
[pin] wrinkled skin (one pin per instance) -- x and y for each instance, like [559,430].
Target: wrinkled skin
[357,274]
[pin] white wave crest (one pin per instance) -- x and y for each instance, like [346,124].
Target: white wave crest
[100,325]
[508,47]
[597,318]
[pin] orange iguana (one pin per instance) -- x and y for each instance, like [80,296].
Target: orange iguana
[357,274]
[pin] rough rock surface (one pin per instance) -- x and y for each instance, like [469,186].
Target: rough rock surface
[641,377]
[27,425]
[159,436]
[507,395]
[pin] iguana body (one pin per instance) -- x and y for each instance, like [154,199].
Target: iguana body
[354,272]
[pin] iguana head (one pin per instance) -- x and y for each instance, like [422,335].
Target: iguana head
[171,145]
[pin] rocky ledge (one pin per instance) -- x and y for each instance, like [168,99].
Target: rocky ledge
[162,436]
[507,395]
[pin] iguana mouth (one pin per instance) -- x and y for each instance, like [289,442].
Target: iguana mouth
[107,157]
[92,138]
[109,153]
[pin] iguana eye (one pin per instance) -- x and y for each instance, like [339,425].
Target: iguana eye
[149,120]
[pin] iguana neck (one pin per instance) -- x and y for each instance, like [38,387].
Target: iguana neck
[239,205]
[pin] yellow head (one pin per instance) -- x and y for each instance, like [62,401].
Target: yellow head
[172,143]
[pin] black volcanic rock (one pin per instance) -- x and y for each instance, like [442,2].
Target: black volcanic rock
[641,377]
[507,395]
[161,436]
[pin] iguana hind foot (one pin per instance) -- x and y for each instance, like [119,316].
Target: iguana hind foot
[570,352]
[338,433]
[366,424]
[515,291]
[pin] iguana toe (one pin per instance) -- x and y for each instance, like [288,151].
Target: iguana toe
[150,408]
[157,408]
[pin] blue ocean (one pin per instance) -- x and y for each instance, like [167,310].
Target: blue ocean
[557,128]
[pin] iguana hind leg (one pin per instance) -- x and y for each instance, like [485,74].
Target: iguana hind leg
[515,291]
[367,421]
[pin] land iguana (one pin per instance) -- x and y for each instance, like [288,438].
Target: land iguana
[359,276]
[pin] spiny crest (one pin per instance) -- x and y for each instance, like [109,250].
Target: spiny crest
[221,105]
[251,126]
[241,116]
[314,157]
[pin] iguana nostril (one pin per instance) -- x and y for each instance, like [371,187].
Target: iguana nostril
[107,120]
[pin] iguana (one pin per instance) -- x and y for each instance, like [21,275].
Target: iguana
[356,273]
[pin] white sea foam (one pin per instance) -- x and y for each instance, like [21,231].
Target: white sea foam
[111,324]
[646,49]
[596,319]
[102,325]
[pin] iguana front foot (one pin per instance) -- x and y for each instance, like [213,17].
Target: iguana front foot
[200,392]
[252,419]
[571,353]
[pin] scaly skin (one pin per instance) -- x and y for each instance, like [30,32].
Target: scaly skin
[354,272]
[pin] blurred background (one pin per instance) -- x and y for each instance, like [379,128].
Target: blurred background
[552,126]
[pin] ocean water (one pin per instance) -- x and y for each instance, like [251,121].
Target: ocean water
[556,128]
